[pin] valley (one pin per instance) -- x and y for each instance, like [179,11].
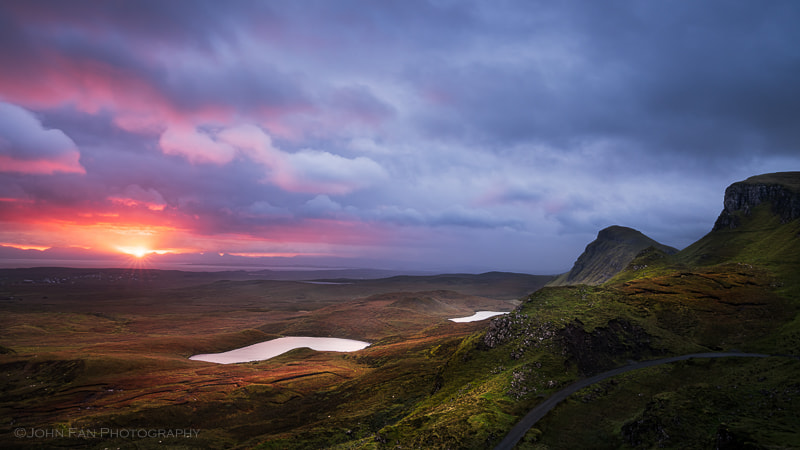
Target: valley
[109,348]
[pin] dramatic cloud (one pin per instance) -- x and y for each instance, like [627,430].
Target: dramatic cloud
[196,146]
[134,195]
[306,170]
[27,147]
[417,134]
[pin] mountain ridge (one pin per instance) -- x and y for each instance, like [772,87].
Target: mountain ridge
[613,249]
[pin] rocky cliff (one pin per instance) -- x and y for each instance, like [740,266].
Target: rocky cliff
[782,190]
[607,255]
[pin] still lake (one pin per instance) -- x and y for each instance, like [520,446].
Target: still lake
[270,349]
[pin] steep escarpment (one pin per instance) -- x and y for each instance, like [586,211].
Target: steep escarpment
[782,190]
[614,248]
[760,224]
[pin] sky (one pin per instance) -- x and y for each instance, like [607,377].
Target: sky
[418,135]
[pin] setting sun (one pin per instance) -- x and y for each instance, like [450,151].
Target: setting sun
[138,252]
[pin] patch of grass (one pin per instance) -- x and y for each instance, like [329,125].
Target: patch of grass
[760,240]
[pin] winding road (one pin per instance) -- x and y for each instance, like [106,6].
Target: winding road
[543,408]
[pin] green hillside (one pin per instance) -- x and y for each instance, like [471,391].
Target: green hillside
[735,289]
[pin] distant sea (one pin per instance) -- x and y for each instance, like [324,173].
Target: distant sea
[11,263]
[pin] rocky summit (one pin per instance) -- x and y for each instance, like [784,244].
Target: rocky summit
[782,190]
[614,248]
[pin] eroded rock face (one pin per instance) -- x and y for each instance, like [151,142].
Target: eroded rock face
[591,351]
[598,350]
[526,331]
[742,197]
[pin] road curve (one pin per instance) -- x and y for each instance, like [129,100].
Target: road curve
[543,408]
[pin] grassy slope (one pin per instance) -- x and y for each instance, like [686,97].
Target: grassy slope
[731,290]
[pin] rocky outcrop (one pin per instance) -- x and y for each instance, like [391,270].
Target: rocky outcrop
[600,349]
[782,190]
[526,331]
[614,248]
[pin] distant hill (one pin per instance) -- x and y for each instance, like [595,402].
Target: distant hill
[614,248]
[499,285]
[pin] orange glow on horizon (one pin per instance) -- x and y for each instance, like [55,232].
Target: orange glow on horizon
[41,248]
[107,234]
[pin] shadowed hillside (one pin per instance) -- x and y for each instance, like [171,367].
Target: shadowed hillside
[604,257]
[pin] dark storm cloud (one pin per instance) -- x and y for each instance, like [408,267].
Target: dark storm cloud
[189,23]
[714,78]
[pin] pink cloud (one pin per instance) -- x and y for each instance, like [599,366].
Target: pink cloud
[255,144]
[135,196]
[149,91]
[137,104]
[140,123]
[309,171]
[91,85]
[67,163]
[196,146]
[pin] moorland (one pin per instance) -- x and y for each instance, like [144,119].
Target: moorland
[93,349]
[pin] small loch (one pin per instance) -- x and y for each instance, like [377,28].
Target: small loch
[480,315]
[272,348]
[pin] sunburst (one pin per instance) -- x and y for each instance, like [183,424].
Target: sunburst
[137,252]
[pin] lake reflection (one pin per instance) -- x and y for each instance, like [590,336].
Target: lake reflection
[275,347]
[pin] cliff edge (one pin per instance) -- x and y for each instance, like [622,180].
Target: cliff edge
[781,189]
